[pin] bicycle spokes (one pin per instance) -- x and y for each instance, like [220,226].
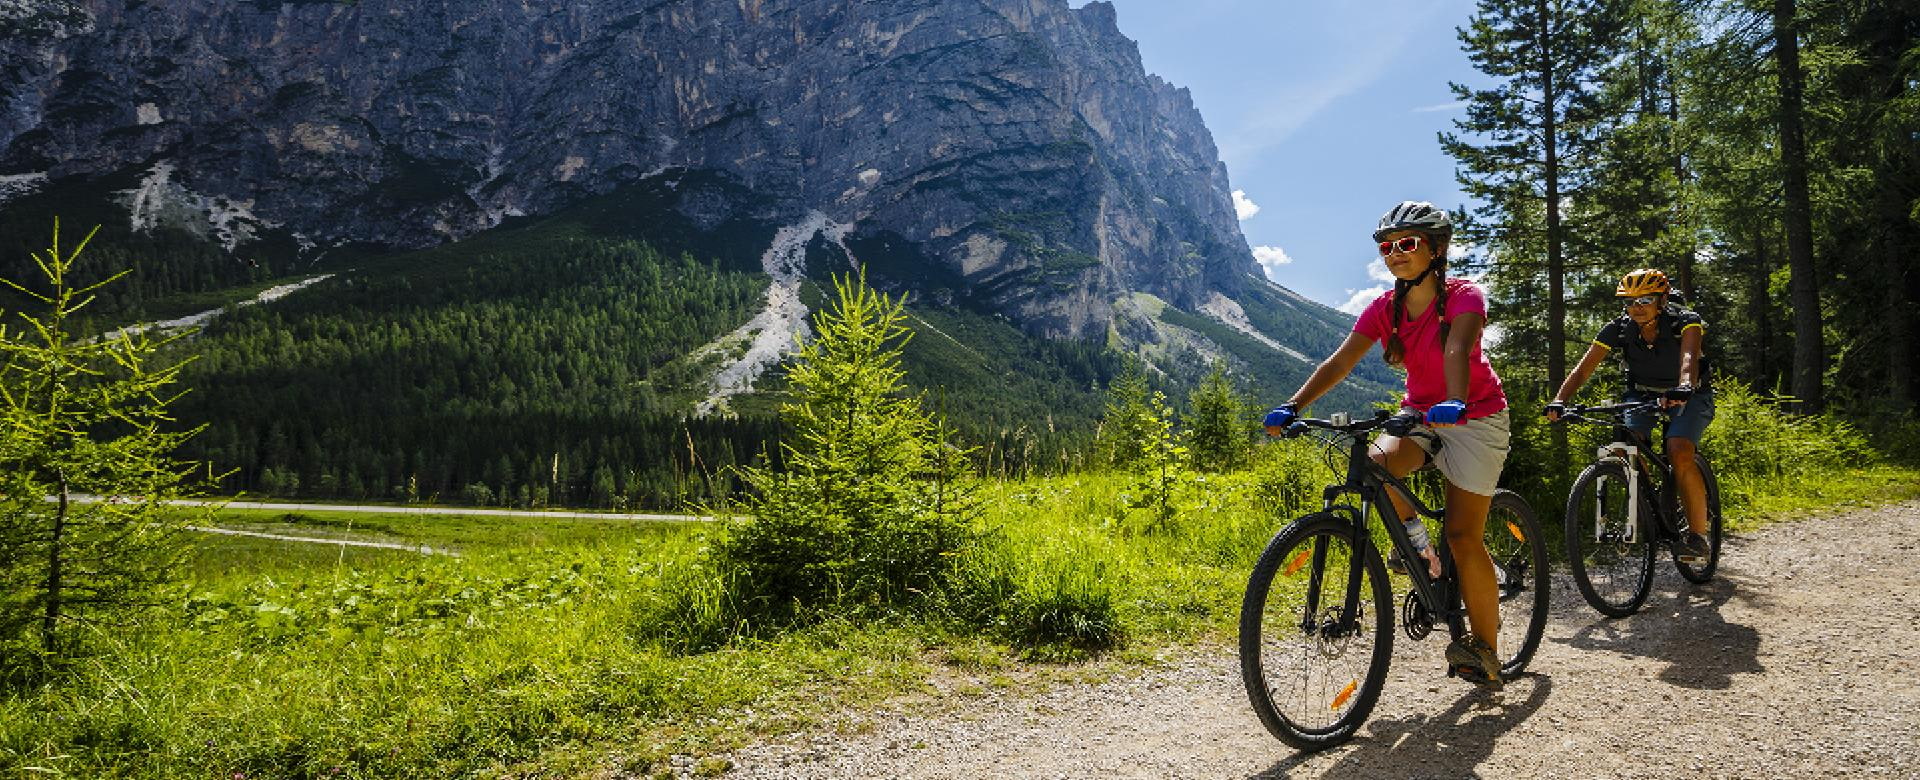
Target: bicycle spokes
[1608,551]
[1313,637]
[1519,555]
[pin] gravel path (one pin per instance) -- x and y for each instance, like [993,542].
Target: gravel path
[1802,659]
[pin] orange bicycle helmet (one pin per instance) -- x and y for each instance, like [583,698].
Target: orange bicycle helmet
[1644,281]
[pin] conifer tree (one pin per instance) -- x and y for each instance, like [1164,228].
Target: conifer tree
[1525,154]
[874,504]
[1219,433]
[1128,420]
[86,464]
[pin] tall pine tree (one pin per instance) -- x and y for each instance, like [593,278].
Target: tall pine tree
[1525,150]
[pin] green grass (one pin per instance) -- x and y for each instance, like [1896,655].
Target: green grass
[531,654]
[1832,492]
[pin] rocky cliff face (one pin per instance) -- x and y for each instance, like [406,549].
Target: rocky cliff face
[1017,145]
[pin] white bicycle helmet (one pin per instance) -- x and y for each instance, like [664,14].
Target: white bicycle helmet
[1415,215]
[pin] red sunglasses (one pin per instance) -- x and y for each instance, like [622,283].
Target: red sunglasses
[1401,245]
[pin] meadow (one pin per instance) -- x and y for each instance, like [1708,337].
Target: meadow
[535,647]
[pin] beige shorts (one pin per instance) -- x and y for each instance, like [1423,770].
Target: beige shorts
[1473,455]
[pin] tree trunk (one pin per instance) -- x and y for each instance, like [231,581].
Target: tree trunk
[1684,263]
[1760,310]
[1809,347]
[1556,264]
[55,583]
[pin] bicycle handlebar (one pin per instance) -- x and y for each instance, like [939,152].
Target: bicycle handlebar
[1613,411]
[1400,424]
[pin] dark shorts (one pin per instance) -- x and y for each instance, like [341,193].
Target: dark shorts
[1689,423]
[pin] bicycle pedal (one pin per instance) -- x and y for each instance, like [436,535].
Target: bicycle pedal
[1477,676]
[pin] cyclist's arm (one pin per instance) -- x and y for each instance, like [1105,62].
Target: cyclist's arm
[1690,353]
[1333,369]
[1461,339]
[1596,352]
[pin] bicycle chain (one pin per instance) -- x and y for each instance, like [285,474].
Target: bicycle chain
[1414,618]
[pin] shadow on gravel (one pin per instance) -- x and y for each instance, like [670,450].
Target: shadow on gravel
[1683,626]
[1446,744]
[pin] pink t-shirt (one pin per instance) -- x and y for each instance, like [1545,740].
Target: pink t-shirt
[1426,378]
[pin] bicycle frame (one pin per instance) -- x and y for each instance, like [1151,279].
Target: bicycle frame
[1369,482]
[1628,448]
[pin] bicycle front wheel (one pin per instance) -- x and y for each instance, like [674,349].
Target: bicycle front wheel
[1609,552]
[1702,573]
[1314,660]
[1520,568]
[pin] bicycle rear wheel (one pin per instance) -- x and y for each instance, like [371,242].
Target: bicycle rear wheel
[1519,553]
[1311,680]
[1702,573]
[1612,563]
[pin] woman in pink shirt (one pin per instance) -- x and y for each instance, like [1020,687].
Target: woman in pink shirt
[1431,327]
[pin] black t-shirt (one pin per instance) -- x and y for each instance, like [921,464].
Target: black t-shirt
[1655,365]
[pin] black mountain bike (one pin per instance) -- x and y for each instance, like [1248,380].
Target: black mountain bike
[1625,506]
[1316,626]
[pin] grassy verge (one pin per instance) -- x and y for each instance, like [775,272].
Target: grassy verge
[1866,486]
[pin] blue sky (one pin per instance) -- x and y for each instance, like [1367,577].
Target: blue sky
[1325,114]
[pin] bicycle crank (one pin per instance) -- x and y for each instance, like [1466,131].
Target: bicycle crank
[1415,618]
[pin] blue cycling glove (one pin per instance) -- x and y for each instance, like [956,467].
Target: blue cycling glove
[1449,412]
[1281,416]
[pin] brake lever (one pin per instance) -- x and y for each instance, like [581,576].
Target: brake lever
[1401,424]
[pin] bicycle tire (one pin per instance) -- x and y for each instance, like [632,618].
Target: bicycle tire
[1703,573]
[1519,553]
[1614,575]
[1307,707]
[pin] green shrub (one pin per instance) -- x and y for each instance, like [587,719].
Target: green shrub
[1219,428]
[1757,448]
[1061,593]
[873,505]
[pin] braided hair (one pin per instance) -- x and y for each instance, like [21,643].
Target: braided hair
[1395,351]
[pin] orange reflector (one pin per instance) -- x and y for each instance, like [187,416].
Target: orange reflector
[1345,694]
[1516,532]
[1298,561]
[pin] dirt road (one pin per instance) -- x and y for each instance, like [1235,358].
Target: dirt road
[1801,660]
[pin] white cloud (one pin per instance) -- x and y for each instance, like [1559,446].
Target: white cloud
[1244,207]
[1377,271]
[1270,259]
[1357,300]
[1455,105]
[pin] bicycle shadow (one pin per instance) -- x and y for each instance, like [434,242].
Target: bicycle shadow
[1449,743]
[1683,627]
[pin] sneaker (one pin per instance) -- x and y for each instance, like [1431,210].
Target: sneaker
[1472,658]
[1691,549]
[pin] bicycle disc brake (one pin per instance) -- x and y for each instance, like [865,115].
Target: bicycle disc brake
[1331,642]
[1415,618]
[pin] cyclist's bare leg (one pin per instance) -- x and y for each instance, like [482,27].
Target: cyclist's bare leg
[1466,538]
[1401,457]
[1693,488]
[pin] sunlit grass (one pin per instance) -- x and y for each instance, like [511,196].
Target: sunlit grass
[530,652]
